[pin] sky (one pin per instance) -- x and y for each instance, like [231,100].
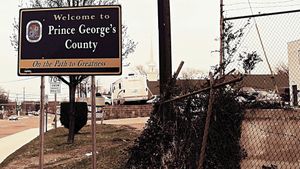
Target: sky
[194,34]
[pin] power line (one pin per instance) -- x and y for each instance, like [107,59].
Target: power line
[263,7]
[271,2]
[263,48]
[13,81]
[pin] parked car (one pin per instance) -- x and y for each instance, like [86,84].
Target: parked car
[107,100]
[153,99]
[37,113]
[13,117]
[252,98]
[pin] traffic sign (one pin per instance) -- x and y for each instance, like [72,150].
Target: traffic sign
[55,84]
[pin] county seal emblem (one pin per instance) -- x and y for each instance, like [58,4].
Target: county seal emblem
[34,31]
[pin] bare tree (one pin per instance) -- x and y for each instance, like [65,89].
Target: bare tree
[141,69]
[128,46]
[191,73]
[3,96]
[282,69]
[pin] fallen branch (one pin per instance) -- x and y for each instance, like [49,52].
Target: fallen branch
[207,122]
[204,90]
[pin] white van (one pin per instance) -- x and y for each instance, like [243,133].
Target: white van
[132,88]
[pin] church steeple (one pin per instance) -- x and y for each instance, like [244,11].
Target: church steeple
[152,73]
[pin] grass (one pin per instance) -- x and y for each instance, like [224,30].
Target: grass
[112,145]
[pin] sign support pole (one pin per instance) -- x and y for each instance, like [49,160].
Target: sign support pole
[41,159]
[55,110]
[93,104]
[46,119]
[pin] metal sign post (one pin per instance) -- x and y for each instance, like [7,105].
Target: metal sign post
[93,104]
[55,87]
[55,111]
[46,108]
[41,159]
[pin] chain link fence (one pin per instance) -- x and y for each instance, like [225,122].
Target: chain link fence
[270,91]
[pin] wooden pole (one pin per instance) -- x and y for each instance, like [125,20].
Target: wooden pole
[178,70]
[207,123]
[221,37]
[93,104]
[165,59]
[41,159]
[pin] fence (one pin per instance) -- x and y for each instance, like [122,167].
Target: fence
[270,137]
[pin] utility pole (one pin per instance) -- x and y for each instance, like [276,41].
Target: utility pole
[23,94]
[25,106]
[17,113]
[165,59]
[221,37]
[97,88]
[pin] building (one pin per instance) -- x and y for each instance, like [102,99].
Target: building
[257,82]
[152,72]
[294,70]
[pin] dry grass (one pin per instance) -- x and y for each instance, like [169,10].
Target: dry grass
[112,145]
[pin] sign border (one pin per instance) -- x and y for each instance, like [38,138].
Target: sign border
[72,73]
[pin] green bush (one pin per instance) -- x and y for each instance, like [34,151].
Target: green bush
[81,111]
[176,143]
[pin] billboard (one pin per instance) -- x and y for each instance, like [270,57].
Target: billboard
[70,41]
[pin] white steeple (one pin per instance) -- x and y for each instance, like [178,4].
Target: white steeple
[152,73]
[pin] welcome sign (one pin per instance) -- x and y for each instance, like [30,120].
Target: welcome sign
[70,41]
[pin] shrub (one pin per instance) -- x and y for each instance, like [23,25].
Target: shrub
[176,142]
[81,111]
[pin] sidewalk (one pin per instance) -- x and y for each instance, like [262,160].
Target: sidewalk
[10,144]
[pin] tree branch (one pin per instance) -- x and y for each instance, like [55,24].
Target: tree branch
[64,80]
[83,2]
[204,89]
[81,78]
